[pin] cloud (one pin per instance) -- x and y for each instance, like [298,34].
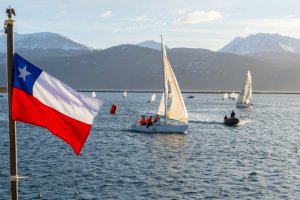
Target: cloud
[106,14]
[197,17]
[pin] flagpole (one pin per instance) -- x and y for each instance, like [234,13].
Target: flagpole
[9,29]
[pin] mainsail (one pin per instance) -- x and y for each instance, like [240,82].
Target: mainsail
[246,93]
[177,109]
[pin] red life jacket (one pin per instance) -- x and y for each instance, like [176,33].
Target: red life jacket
[142,121]
[149,120]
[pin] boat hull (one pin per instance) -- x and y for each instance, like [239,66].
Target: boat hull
[244,105]
[232,121]
[160,128]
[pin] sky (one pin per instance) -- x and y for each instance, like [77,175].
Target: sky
[208,24]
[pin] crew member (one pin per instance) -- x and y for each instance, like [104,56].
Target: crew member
[232,114]
[149,121]
[225,118]
[142,121]
[156,118]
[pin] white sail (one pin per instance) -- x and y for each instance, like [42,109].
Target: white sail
[225,95]
[161,108]
[232,95]
[245,97]
[237,95]
[163,102]
[94,94]
[153,98]
[125,94]
[177,109]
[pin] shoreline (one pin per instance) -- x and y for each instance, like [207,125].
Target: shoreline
[191,91]
[3,91]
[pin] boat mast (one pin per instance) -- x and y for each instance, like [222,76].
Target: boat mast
[165,79]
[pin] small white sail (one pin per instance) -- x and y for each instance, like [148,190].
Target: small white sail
[225,95]
[236,95]
[245,97]
[94,94]
[153,98]
[125,94]
[163,102]
[231,96]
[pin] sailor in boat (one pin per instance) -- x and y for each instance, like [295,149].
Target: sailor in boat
[149,121]
[232,114]
[156,119]
[142,121]
[225,118]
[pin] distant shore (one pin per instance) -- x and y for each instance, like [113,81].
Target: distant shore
[3,90]
[191,91]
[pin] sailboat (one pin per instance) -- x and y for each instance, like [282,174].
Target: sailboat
[94,94]
[175,119]
[245,97]
[125,94]
[232,96]
[153,98]
[225,96]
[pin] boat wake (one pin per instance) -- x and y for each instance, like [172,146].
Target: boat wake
[244,122]
[205,122]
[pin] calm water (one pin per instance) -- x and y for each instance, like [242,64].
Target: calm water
[259,159]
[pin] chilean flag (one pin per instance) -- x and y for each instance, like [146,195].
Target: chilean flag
[42,100]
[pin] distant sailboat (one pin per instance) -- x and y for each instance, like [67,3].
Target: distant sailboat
[177,112]
[153,98]
[225,96]
[94,94]
[245,97]
[125,94]
[232,96]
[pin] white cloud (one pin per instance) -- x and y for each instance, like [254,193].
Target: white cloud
[106,14]
[197,17]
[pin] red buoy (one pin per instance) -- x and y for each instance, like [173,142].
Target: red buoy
[113,109]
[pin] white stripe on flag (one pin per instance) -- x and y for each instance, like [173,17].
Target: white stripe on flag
[59,96]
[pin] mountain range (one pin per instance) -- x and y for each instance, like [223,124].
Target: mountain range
[139,67]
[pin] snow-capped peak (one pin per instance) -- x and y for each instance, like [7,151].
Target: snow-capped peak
[44,40]
[262,43]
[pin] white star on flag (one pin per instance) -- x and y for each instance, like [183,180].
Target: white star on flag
[23,73]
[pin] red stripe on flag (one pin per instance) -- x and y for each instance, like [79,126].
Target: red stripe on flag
[28,109]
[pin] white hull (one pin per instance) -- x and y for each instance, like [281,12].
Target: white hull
[244,105]
[160,128]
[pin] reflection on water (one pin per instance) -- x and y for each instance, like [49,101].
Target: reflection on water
[169,142]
